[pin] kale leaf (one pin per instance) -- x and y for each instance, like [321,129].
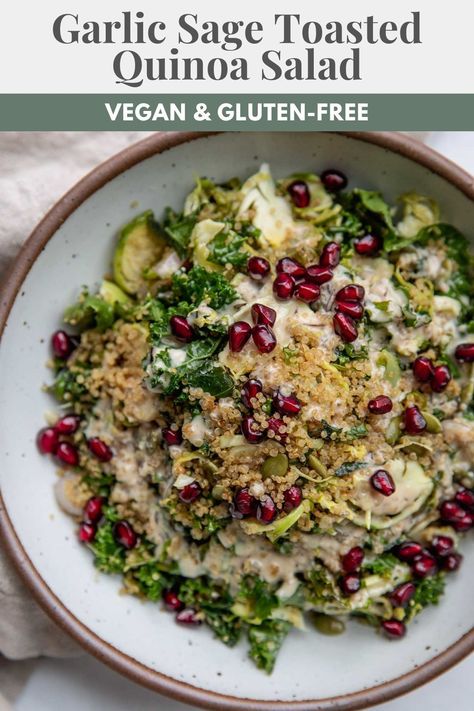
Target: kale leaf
[177,229]
[383,565]
[215,602]
[346,353]
[197,371]
[109,555]
[226,248]
[429,590]
[151,581]
[265,642]
[199,284]
[260,597]
[356,432]
[349,467]
[91,311]
[67,387]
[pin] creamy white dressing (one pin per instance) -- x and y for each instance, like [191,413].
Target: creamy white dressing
[411,484]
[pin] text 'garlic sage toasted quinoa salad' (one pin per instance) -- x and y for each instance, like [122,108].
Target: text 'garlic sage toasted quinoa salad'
[267,412]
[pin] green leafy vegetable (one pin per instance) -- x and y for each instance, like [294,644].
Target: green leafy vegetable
[265,642]
[68,386]
[347,353]
[215,602]
[356,432]
[151,581]
[226,248]
[199,285]
[349,467]
[89,312]
[259,596]
[429,590]
[109,555]
[177,229]
[383,565]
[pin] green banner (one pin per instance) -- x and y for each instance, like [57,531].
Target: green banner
[236,112]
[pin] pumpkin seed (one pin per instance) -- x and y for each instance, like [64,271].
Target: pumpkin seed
[327,624]
[433,425]
[394,431]
[275,466]
[316,465]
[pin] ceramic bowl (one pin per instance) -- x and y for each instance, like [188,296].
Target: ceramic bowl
[72,247]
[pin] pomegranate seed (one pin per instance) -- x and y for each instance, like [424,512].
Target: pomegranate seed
[67,454]
[452,562]
[442,545]
[415,423]
[264,338]
[345,327]
[402,594]
[181,329]
[423,369]
[266,509]
[286,404]
[408,551]
[292,498]
[451,512]
[125,535]
[465,498]
[47,440]
[190,493]
[172,437]
[307,291]
[465,523]
[349,583]
[172,601]
[351,308]
[351,292]
[245,503]
[382,482]
[62,344]
[276,425]
[424,565]
[250,430]
[239,333]
[93,509]
[333,180]
[465,352]
[352,560]
[68,424]
[263,314]
[284,286]
[318,274]
[250,391]
[258,268]
[187,617]
[368,245]
[441,378]
[394,629]
[86,532]
[330,256]
[299,193]
[380,405]
[291,267]
[99,449]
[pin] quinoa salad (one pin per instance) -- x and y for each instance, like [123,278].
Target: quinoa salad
[266,412]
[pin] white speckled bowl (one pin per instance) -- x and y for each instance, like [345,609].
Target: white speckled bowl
[73,246]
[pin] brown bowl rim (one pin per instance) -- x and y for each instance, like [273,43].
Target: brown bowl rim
[117,660]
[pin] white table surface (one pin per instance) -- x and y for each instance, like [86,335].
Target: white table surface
[86,685]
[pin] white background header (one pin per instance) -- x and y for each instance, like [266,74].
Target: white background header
[32,61]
